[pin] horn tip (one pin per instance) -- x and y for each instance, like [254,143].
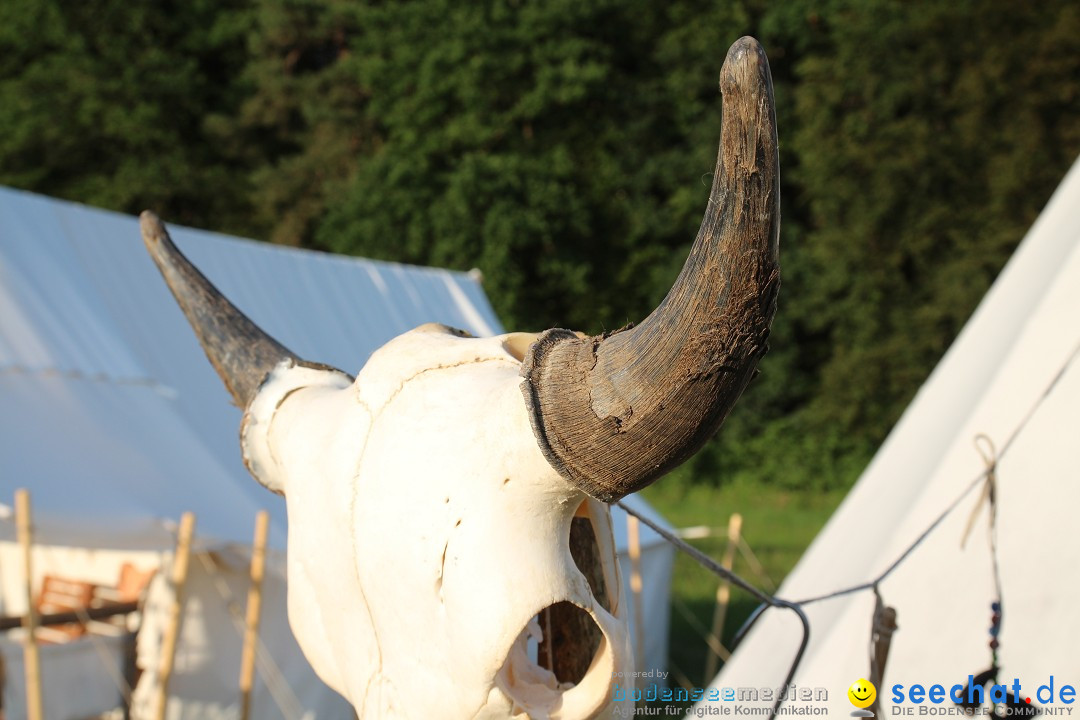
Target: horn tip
[745,49]
[153,230]
[745,57]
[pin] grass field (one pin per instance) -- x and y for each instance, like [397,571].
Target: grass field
[777,525]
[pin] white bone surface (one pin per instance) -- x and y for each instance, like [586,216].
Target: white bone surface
[426,531]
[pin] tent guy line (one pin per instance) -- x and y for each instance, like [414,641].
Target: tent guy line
[118,679]
[870,585]
[976,482]
[280,691]
[98,377]
[768,600]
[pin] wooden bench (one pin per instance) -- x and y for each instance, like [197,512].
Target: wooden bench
[61,595]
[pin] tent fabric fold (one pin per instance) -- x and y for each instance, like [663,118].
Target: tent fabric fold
[1020,343]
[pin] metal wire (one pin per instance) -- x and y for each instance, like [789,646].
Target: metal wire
[767,600]
[717,569]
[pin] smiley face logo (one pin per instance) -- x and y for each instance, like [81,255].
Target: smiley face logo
[862,693]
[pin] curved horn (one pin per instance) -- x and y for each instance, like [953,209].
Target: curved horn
[613,413]
[241,352]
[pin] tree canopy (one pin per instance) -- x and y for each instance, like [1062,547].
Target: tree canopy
[564,149]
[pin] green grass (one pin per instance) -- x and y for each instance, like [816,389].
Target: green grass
[777,525]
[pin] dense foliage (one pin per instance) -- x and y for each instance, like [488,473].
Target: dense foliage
[564,148]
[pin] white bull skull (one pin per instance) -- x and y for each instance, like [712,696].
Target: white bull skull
[446,507]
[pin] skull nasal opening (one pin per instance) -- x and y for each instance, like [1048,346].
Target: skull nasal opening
[561,658]
[570,641]
[545,673]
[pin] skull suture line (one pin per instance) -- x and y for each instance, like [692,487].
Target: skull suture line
[447,505]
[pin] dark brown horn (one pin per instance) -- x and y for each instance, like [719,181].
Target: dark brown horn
[613,413]
[241,352]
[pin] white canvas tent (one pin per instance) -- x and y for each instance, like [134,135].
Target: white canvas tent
[112,417]
[1021,341]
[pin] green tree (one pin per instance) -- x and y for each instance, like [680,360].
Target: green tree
[565,149]
[532,140]
[300,127]
[929,135]
[104,102]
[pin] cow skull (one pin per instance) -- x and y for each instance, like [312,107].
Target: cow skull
[450,552]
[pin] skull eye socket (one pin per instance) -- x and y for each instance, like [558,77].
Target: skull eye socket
[585,551]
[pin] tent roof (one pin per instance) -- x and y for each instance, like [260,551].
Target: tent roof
[1023,334]
[108,407]
[110,413]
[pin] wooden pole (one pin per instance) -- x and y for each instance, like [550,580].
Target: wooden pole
[723,596]
[172,629]
[633,536]
[254,608]
[31,658]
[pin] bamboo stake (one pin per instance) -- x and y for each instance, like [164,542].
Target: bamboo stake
[633,536]
[723,596]
[172,629]
[31,657]
[254,608]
